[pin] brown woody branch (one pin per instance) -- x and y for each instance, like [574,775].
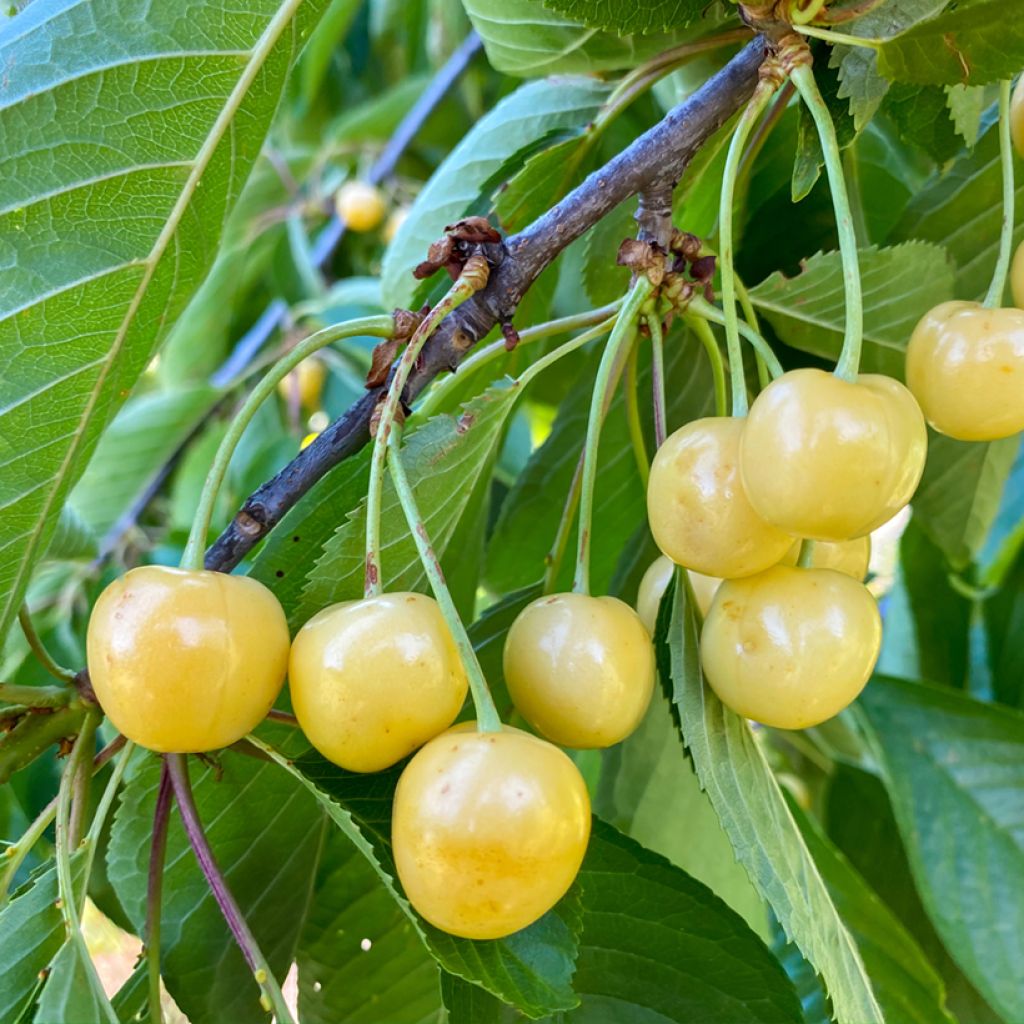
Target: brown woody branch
[652,165]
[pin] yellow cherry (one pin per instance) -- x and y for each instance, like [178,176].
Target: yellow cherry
[790,647]
[360,205]
[655,583]
[965,365]
[186,661]
[306,382]
[1017,116]
[832,459]
[580,669]
[372,680]
[1017,277]
[697,506]
[846,556]
[488,830]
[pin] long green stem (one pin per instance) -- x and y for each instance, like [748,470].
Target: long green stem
[622,335]
[994,298]
[750,315]
[36,696]
[373,326]
[849,358]
[658,379]
[751,113]
[14,856]
[636,430]
[834,38]
[702,308]
[78,761]
[699,326]
[487,718]
[472,279]
[43,656]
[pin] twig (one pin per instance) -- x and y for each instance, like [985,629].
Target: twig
[660,154]
[271,997]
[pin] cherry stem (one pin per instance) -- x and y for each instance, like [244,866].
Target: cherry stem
[487,718]
[751,113]
[608,371]
[36,696]
[658,379]
[805,15]
[805,560]
[271,997]
[750,315]
[473,277]
[636,430]
[834,38]
[849,358]
[154,890]
[43,656]
[601,320]
[700,307]
[78,761]
[374,326]
[706,336]
[994,297]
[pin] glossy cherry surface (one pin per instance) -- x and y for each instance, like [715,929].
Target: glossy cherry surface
[372,680]
[186,661]
[488,830]
[790,647]
[360,205]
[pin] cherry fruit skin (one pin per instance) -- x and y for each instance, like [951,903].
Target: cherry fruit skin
[360,205]
[186,661]
[488,830]
[373,680]
[832,459]
[965,364]
[790,647]
[580,669]
[698,508]
[1017,277]
[655,582]
[1017,117]
[308,380]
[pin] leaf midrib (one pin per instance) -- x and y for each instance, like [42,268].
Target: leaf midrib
[258,55]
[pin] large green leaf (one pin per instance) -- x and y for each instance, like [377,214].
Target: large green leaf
[494,148]
[1003,615]
[954,768]
[972,44]
[961,209]
[72,992]
[444,459]
[642,16]
[123,158]
[359,958]
[900,285]
[531,969]
[133,450]
[266,832]
[524,38]
[734,773]
[959,494]
[908,989]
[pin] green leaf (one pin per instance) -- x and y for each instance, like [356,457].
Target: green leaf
[71,992]
[908,989]
[642,16]
[116,229]
[531,969]
[359,958]
[900,285]
[922,117]
[266,832]
[603,279]
[444,459]
[970,45]
[966,105]
[72,537]
[524,38]
[133,450]
[961,209]
[468,1004]
[735,775]
[958,497]
[31,935]
[954,768]
[1003,616]
[494,148]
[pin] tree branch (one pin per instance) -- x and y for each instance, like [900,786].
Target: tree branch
[657,157]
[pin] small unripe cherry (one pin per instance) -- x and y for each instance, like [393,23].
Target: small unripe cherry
[186,661]
[360,205]
[306,382]
[790,647]
[580,669]
[372,680]
[697,507]
[965,365]
[831,459]
[488,830]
